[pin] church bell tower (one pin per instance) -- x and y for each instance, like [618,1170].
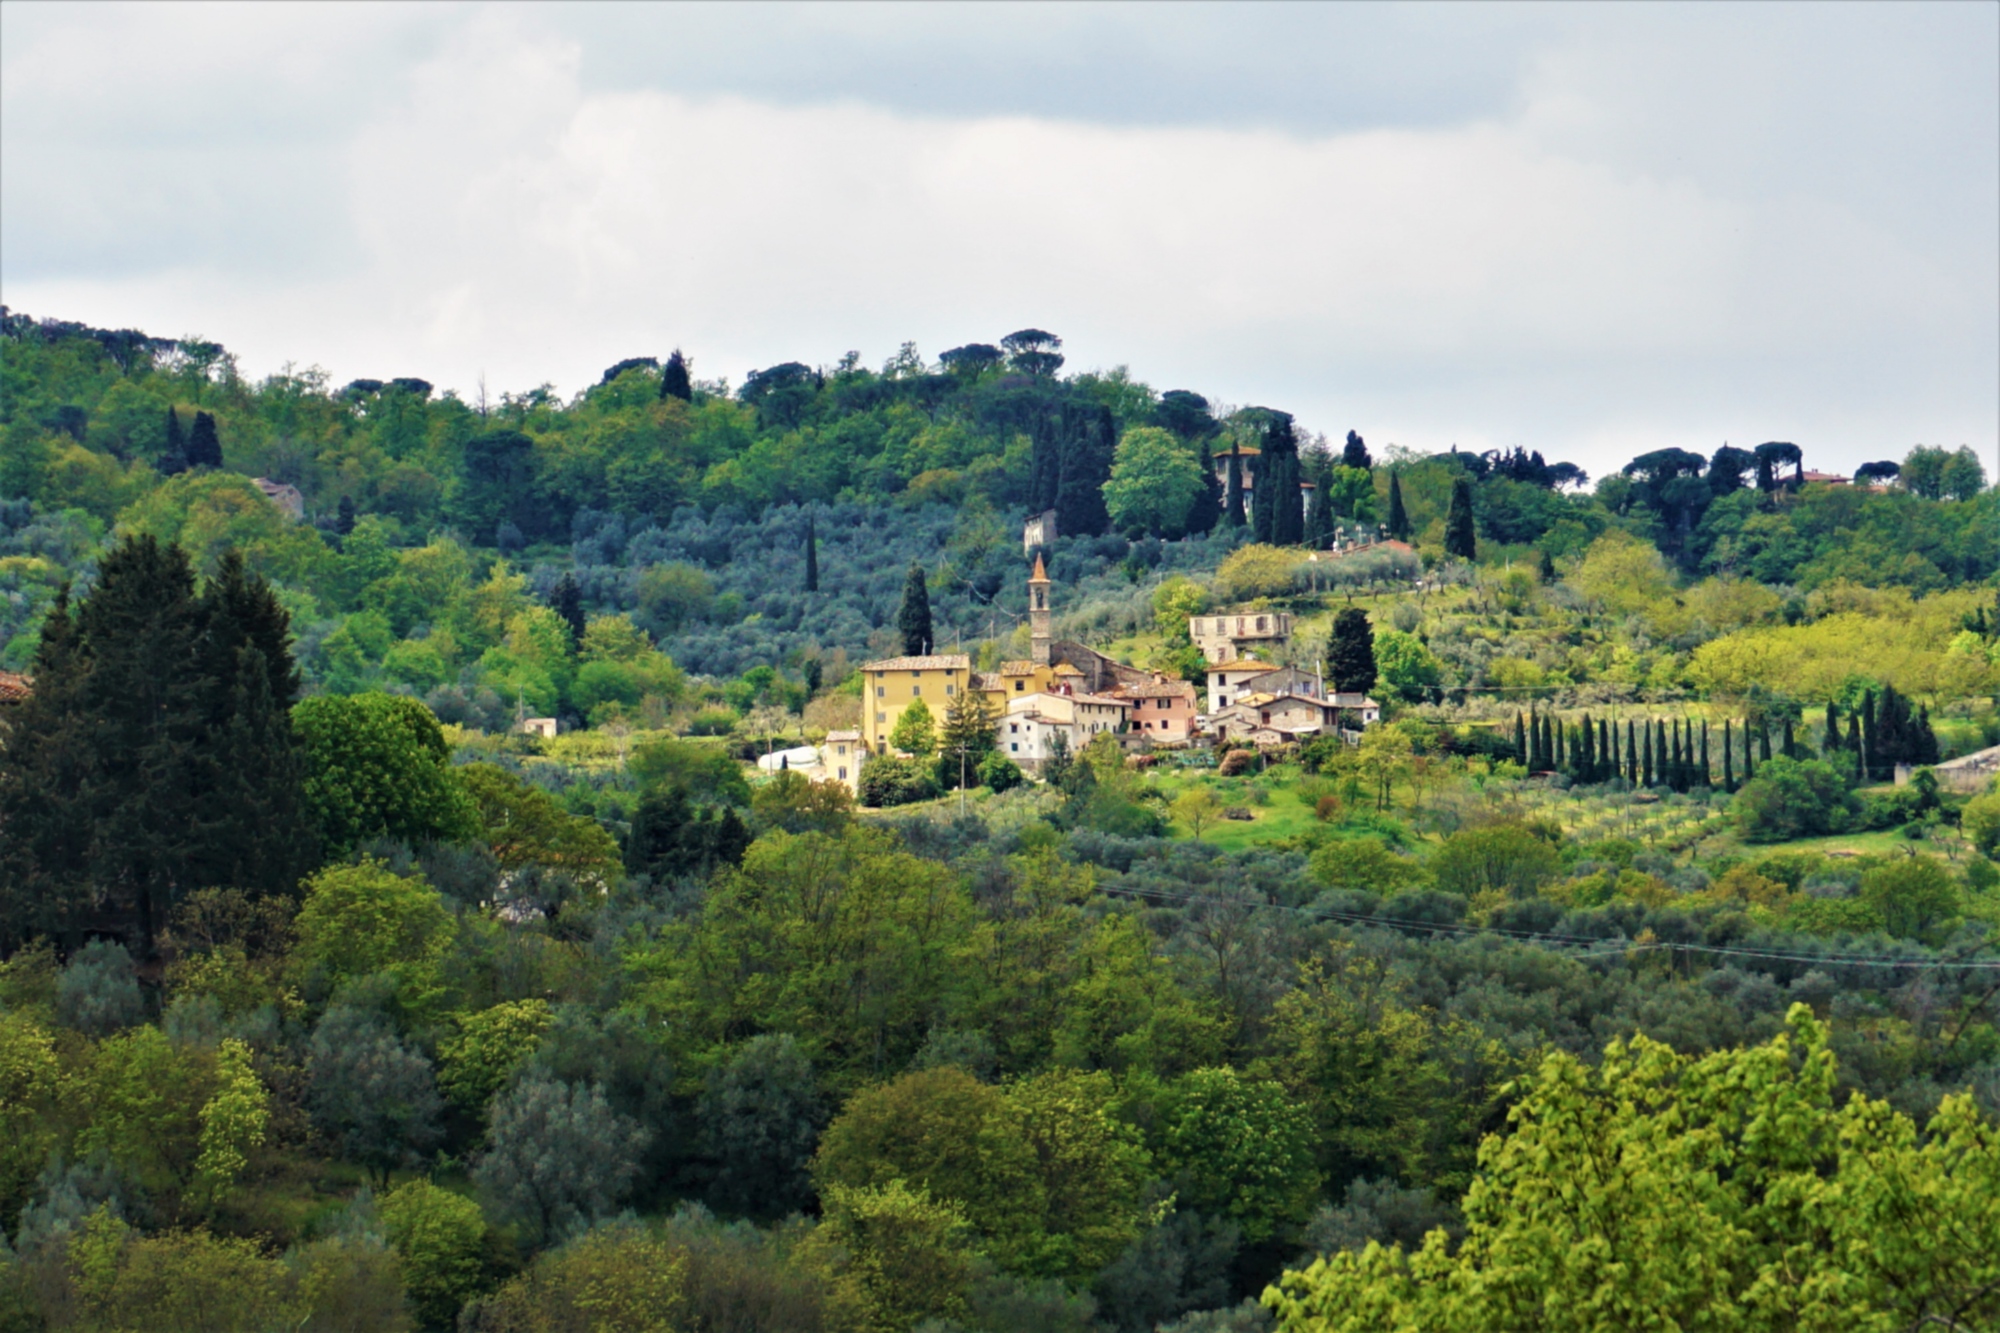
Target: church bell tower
[1038,611]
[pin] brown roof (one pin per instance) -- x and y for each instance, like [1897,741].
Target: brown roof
[1162,690]
[14,688]
[987,680]
[1250,664]
[1040,575]
[939,662]
[1023,667]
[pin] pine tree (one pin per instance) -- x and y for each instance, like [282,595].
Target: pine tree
[1545,567]
[1206,511]
[566,600]
[343,523]
[812,555]
[674,380]
[913,617]
[1399,517]
[1460,541]
[204,446]
[1356,453]
[1233,496]
[173,458]
[966,739]
[1351,653]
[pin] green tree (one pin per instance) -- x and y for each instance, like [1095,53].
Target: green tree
[441,1239]
[29,1084]
[894,1255]
[1790,798]
[1460,541]
[233,1121]
[619,1277]
[1238,1147]
[967,738]
[1912,896]
[1407,664]
[1197,808]
[1352,652]
[482,1056]
[525,826]
[1399,517]
[377,767]
[559,1157]
[362,919]
[1510,858]
[914,732]
[762,1113]
[913,617]
[1666,1191]
[1154,483]
[370,1093]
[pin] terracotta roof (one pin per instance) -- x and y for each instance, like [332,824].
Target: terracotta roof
[938,662]
[1254,667]
[1023,667]
[14,688]
[987,680]
[1162,690]
[1040,575]
[1102,699]
[1065,669]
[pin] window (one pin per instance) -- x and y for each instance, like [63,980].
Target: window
[948,688]
[1014,746]
[1020,685]
[1014,728]
[881,691]
[1262,622]
[916,675]
[843,775]
[881,717]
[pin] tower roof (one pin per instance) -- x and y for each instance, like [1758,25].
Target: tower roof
[1040,575]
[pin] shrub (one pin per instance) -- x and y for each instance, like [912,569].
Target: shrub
[1791,798]
[886,782]
[441,1238]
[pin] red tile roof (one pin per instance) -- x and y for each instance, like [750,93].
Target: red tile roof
[940,662]
[14,688]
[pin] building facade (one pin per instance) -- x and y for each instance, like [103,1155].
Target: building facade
[1228,681]
[891,685]
[1226,636]
[1163,712]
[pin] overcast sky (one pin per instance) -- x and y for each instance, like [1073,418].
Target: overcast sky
[1585,229]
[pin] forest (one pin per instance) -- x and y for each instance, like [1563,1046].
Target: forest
[1637,970]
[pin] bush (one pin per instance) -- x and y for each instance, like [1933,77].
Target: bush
[441,1238]
[1236,763]
[886,782]
[99,991]
[1791,798]
[1981,822]
[999,773]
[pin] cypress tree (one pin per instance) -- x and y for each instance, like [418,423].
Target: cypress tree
[1631,754]
[1607,751]
[1854,743]
[1520,740]
[1763,740]
[913,617]
[204,446]
[1233,497]
[1728,761]
[1089,438]
[1923,740]
[1870,736]
[1791,745]
[1399,517]
[1749,762]
[1677,773]
[343,523]
[1459,539]
[1829,741]
[1646,758]
[674,380]
[812,555]
[1356,453]
[1319,513]
[44,797]
[1351,653]
[1707,773]
[1586,763]
[173,458]
[1206,511]
[566,600]
[1276,515]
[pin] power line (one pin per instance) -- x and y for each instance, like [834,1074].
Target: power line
[1598,946]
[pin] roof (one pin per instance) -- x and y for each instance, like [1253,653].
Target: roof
[1168,689]
[937,662]
[1249,664]
[987,680]
[843,735]
[1065,669]
[1040,575]
[15,688]
[1022,667]
[1102,700]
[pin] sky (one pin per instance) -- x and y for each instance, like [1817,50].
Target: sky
[1591,230]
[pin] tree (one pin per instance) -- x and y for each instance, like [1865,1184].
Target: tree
[1637,1194]
[1923,471]
[1962,477]
[1207,509]
[1089,438]
[1728,467]
[1154,484]
[482,1056]
[98,993]
[1911,896]
[371,1093]
[621,1276]
[1319,530]
[1407,665]
[895,1256]
[812,555]
[1277,514]
[1876,474]
[559,1157]
[1233,496]
[913,617]
[1507,857]
[966,740]
[1399,517]
[1459,539]
[1240,1148]
[526,826]
[1789,798]
[204,446]
[496,486]
[174,458]
[441,1239]
[914,732]
[1773,455]
[762,1114]
[797,804]
[674,381]
[1352,652]
[566,600]
[1197,808]
[358,920]
[671,837]
[1355,454]
[971,360]
[377,767]
[1033,351]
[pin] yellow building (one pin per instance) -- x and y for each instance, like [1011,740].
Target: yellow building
[1014,680]
[894,683]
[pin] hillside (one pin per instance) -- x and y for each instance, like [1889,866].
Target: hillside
[331,999]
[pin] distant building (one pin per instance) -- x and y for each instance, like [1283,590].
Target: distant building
[286,497]
[1262,717]
[1226,636]
[1027,734]
[1038,531]
[798,759]
[1163,712]
[1227,681]
[1247,462]
[841,757]
[544,727]
[1808,477]
[890,685]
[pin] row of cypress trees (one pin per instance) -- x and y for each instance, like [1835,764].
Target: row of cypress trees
[155,754]
[1677,755]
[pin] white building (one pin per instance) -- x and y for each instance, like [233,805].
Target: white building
[1228,681]
[841,756]
[1026,734]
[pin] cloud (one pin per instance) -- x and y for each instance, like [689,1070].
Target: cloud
[1542,274]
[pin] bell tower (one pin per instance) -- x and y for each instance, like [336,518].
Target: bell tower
[1038,611]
